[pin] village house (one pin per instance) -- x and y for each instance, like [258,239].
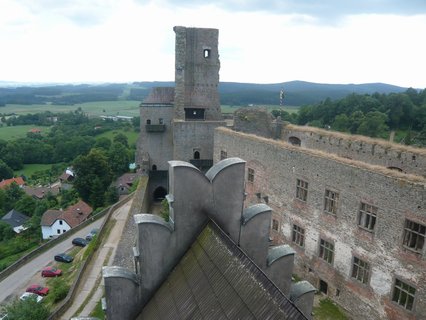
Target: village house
[16,220]
[56,222]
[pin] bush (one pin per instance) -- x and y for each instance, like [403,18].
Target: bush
[59,290]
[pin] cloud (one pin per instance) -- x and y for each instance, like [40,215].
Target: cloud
[322,10]
[79,12]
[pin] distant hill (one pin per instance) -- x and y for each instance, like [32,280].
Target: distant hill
[297,93]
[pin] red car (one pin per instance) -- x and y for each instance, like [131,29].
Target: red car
[51,272]
[38,289]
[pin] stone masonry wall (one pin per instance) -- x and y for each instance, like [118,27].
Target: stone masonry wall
[197,76]
[191,136]
[277,166]
[159,145]
[374,151]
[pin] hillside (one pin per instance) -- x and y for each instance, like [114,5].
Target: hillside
[297,93]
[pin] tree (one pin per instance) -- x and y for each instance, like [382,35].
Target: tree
[26,204]
[92,173]
[122,138]
[6,231]
[374,124]
[341,123]
[103,143]
[119,158]
[111,195]
[5,171]
[27,309]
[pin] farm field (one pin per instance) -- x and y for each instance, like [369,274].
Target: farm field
[97,108]
[16,132]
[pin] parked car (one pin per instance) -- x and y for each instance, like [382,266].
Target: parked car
[38,289]
[91,234]
[79,242]
[63,257]
[51,272]
[30,295]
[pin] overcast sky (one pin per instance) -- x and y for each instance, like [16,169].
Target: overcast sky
[260,41]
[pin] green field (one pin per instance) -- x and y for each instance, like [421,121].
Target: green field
[97,108]
[16,132]
[29,169]
[132,136]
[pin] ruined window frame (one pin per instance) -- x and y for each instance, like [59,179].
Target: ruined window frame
[403,294]
[223,154]
[298,235]
[326,251]
[367,216]
[360,270]
[331,201]
[275,225]
[250,175]
[414,239]
[302,190]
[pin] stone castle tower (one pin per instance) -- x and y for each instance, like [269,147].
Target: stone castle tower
[178,123]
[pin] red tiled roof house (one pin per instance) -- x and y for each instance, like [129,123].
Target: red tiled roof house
[57,222]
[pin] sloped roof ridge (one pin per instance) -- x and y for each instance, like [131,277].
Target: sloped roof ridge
[284,303]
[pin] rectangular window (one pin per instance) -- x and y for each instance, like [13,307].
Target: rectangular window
[250,175]
[360,270]
[414,236]
[60,222]
[298,236]
[223,154]
[326,251]
[403,294]
[275,224]
[330,201]
[302,190]
[367,216]
[58,231]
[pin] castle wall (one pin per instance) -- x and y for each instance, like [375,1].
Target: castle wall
[158,145]
[191,136]
[276,168]
[374,151]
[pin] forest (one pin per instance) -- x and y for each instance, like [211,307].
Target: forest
[373,115]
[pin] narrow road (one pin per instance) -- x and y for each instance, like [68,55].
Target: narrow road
[91,290]
[16,283]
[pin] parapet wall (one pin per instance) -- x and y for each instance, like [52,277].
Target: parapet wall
[374,151]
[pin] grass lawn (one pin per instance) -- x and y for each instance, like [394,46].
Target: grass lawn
[328,310]
[97,108]
[132,136]
[29,169]
[16,132]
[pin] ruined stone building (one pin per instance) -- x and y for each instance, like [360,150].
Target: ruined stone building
[351,208]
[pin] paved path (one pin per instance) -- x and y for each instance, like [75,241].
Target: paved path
[17,282]
[92,289]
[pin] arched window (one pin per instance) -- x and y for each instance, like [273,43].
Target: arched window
[154,167]
[295,141]
[148,121]
[196,155]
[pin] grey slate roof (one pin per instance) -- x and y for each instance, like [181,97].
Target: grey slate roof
[216,280]
[15,218]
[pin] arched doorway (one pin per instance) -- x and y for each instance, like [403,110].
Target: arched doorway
[160,194]
[197,155]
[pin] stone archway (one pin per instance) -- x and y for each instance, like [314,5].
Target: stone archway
[160,194]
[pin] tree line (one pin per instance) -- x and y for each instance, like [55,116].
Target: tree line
[371,115]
